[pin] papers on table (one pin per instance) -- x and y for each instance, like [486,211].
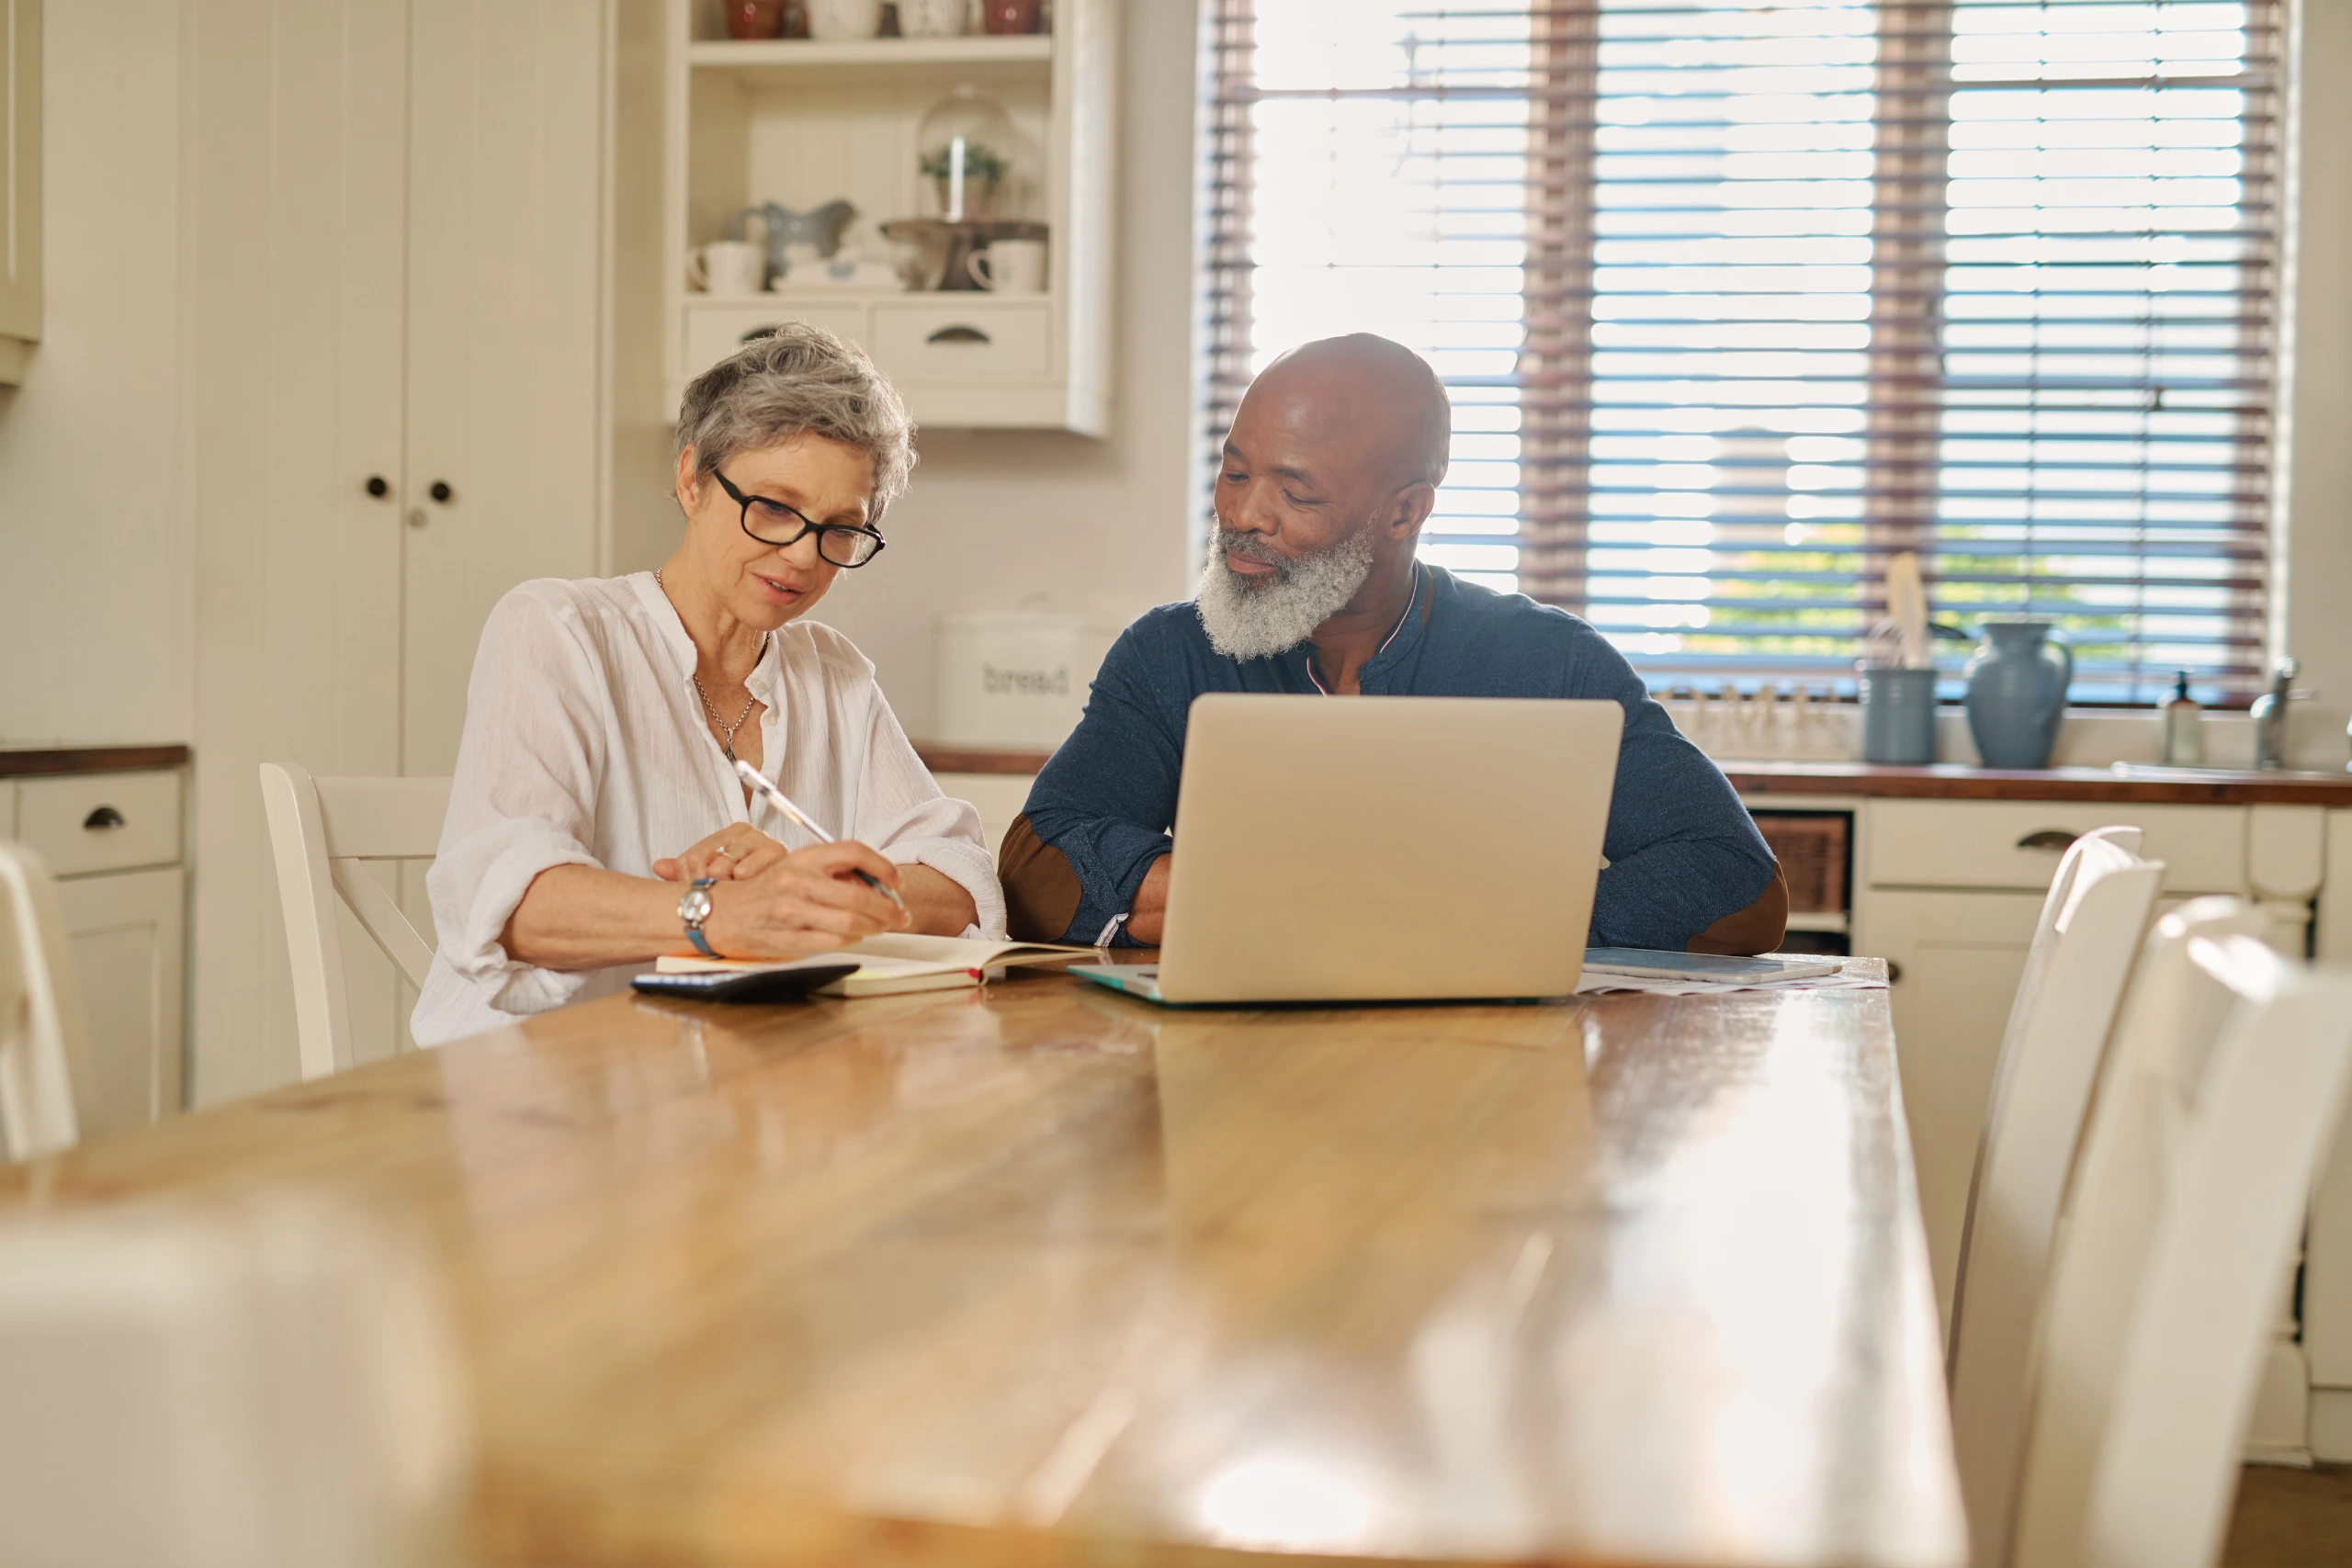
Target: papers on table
[1855,974]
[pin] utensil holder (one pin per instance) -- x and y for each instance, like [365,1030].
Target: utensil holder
[1898,715]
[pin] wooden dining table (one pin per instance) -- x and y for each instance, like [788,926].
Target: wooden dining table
[1036,1273]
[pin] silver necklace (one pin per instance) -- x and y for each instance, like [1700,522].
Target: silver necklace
[725,729]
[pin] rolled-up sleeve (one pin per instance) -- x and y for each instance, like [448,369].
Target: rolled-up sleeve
[1106,797]
[521,800]
[903,814]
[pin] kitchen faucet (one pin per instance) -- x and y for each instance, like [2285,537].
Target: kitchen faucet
[2269,715]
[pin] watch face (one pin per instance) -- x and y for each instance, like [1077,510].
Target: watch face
[694,907]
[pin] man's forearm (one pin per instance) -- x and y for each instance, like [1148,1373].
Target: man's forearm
[1147,916]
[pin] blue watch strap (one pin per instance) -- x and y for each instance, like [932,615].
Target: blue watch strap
[693,928]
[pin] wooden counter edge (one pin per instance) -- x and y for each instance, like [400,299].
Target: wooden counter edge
[31,761]
[1949,782]
[979,759]
[1942,782]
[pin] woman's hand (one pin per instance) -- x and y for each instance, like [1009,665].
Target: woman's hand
[735,852]
[802,902]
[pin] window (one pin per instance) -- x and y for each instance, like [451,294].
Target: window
[1736,301]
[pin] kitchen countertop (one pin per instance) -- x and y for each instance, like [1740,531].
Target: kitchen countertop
[2134,782]
[25,760]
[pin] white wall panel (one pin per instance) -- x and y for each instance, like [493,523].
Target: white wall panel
[505,341]
[95,608]
[296,186]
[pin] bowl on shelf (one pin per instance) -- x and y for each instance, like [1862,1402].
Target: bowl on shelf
[843,18]
[931,18]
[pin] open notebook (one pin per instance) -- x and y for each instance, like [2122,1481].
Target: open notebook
[895,963]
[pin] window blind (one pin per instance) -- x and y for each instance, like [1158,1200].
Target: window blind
[1735,301]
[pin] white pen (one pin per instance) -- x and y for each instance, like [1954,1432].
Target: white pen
[783,802]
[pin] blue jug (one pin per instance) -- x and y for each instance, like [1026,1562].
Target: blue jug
[2017,692]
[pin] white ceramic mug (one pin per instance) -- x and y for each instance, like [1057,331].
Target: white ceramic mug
[931,18]
[729,266]
[1010,266]
[844,18]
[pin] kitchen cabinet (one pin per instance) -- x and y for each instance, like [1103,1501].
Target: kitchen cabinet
[802,123]
[20,182]
[416,394]
[114,840]
[128,932]
[1955,959]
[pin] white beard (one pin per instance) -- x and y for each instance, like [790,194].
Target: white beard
[1249,617]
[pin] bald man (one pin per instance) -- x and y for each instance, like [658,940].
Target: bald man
[1312,585]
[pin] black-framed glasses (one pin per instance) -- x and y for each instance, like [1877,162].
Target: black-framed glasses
[838,542]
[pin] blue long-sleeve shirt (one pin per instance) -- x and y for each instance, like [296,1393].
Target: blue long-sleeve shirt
[1682,851]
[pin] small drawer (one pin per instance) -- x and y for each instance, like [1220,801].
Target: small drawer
[101,821]
[953,342]
[714,330]
[1933,843]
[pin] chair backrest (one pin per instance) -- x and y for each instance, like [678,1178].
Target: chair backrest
[43,1034]
[2221,1092]
[274,1385]
[320,832]
[2090,932]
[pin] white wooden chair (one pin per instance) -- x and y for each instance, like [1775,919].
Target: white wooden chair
[42,1030]
[273,1385]
[2092,923]
[320,832]
[2221,1094]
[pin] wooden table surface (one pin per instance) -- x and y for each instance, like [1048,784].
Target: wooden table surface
[1043,1275]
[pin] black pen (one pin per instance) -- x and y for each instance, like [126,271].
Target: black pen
[783,802]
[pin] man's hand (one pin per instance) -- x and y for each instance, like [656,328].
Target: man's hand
[734,853]
[803,902]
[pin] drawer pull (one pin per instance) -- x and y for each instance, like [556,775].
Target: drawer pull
[2055,839]
[957,334]
[104,819]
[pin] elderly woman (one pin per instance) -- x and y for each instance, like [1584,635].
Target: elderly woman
[596,821]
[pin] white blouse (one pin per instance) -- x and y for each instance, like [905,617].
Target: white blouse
[585,745]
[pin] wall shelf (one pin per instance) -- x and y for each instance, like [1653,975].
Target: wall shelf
[800,123]
[766,62]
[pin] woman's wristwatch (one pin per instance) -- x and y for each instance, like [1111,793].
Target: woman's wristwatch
[695,908]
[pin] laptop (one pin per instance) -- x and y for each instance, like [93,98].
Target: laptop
[1381,849]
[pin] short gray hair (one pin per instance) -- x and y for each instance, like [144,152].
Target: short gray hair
[798,380]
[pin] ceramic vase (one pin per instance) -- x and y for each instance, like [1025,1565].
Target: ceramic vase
[1012,15]
[750,19]
[2017,692]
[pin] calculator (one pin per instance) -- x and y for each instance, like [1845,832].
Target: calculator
[776,985]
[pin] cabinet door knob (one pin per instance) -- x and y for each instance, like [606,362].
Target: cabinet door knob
[379,486]
[442,493]
[2054,840]
[1894,973]
[103,818]
[957,334]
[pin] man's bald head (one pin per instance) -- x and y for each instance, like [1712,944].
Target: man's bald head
[1330,468]
[1375,405]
